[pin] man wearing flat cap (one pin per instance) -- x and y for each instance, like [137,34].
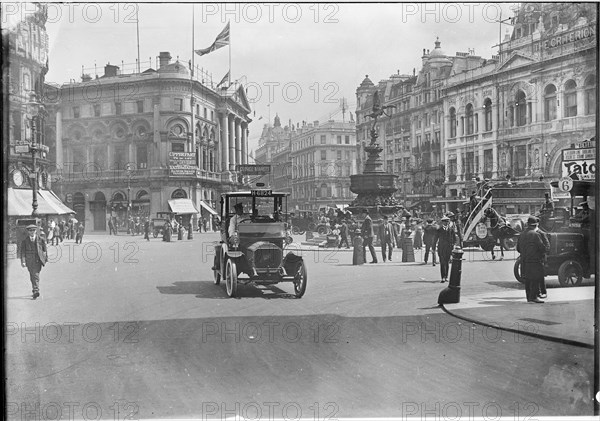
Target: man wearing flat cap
[33,256]
[532,249]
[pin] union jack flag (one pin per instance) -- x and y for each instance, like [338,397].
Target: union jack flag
[222,40]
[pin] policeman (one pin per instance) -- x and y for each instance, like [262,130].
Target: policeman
[532,249]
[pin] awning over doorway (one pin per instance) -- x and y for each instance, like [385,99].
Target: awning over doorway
[341,207]
[182,206]
[19,203]
[208,208]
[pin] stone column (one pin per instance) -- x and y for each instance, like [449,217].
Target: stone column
[480,163]
[231,141]
[223,122]
[244,143]
[59,144]
[238,141]
[495,161]
[156,159]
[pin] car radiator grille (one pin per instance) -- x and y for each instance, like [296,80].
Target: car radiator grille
[265,255]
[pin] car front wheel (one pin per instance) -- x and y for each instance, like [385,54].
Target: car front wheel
[300,278]
[231,278]
[570,273]
[216,271]
[517,270]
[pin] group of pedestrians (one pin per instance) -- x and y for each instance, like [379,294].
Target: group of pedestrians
[55,233]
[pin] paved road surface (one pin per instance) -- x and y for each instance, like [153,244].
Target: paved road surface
[138,328]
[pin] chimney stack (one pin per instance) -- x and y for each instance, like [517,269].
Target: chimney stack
[110,70]
[164,58]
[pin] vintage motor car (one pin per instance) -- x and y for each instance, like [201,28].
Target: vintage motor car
[257,251]
[572,254]
[157,224]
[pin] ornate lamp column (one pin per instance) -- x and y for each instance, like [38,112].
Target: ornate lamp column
[37,112]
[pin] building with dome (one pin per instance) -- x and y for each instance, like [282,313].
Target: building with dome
[463,117]
[129,144]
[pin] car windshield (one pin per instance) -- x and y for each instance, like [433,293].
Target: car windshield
[268,207]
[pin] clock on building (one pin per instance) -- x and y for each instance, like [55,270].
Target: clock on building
[17,177]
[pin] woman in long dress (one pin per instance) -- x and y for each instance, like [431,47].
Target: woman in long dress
[358,257]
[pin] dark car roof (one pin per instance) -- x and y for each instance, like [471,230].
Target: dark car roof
[248,193]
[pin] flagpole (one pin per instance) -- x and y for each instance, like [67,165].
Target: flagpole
[137,27]
[229,55]
[192,89]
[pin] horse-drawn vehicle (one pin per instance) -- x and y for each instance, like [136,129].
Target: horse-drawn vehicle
[486,228]
[572,248]
[257,245]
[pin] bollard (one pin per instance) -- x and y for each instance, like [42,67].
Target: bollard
[408,252]
[451,294]
[190,236]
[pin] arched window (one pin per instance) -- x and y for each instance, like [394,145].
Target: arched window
[550,103]
[142,195]
[570,99]
[590,95]
[323,190]
[452,122]
[118,197]
[521,108]
[470,122]
[179,194]
[99,197]
[487,110]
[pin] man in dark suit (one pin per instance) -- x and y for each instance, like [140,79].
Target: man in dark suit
[33,256]
[445,239]
[386,238]
[532,249]
[429,233]
[368,234]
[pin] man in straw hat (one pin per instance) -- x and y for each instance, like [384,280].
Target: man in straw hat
[33,257]
[533,250]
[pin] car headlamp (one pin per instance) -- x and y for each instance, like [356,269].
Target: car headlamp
[234,240]
[288,237]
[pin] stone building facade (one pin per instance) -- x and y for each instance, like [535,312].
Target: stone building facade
[464,117]
[126,144]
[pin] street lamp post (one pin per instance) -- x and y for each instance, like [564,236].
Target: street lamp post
[37,112]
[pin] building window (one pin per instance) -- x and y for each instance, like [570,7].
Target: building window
[339,140]
[487,113]
[205,113]
[470,119]
[177,147]
[590,95]
[521,108]
[96,110]
[178,104]
[197,109]
[76,112]
[452,122]
[118,109]
[339,155]
[347,154]
[550,103]
[347,140]
[426,119]
[570,99]
[323,139]
[323,155]
[142,157]
[140,106]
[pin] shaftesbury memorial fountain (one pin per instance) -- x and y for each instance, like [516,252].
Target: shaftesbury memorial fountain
[374,187]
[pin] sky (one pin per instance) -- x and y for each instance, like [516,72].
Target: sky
[296,60]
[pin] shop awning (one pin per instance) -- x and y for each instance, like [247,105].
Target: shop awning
[341,207]
[19,203]
[182,206]
[208,208]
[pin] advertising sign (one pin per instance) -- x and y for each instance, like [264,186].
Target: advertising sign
[251,169]
[182,164]
[580,161]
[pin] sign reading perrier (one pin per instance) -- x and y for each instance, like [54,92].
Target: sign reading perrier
[252,169]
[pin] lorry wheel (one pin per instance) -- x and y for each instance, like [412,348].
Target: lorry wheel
[509,243]
[231,278]
[295,230]
[155,234]
[517,270]
[216,271]
[322,229]
[570,273]
[300,278]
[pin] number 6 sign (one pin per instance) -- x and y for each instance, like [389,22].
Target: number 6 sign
[565,184]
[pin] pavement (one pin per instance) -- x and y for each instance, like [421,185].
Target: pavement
[566,316]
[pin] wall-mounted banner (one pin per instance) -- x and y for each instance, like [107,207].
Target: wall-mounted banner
[580,161]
